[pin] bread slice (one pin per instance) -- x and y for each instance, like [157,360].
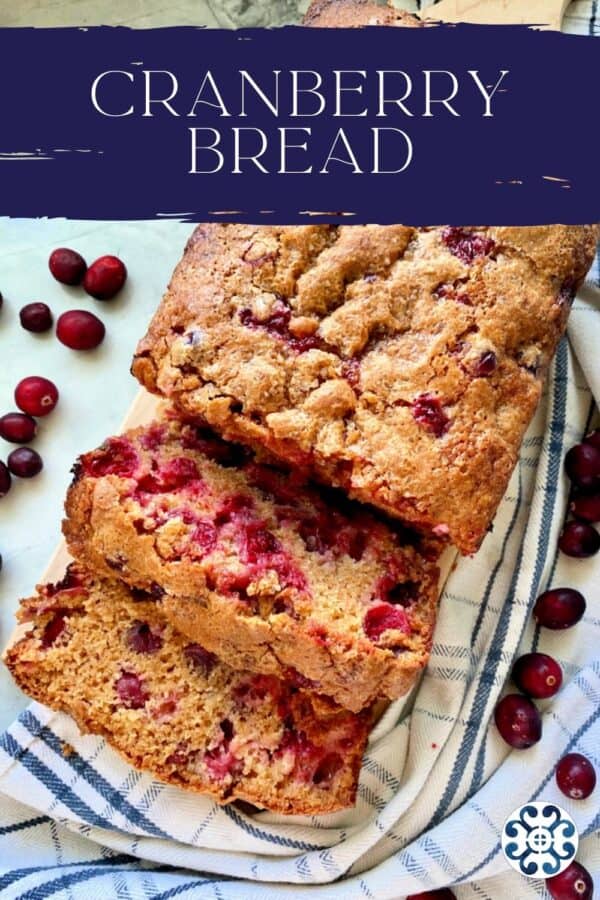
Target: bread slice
[105,656]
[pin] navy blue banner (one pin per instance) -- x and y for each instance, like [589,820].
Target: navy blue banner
[443,124]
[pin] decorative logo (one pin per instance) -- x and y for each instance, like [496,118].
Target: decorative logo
[539,839]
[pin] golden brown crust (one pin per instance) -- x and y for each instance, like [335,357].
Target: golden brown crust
[356,13]
[254,564]
[112,662]
[400,364]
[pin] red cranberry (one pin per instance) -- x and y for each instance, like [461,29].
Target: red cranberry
[5,480]
[36,395]
[36,317]
[383,617]
[579,539]
[25,462]
[116,456]
[586,507]
[518,721]
[467,245]
[131,690]
[559,608]
[105,278]
[67,266]
[440,894]
[54,628]
[537,675]
[142,639]
[582,464]
[277,324]
[17,428]
[80,330]
[576,776]
[201,660]
[486,364]
[428,411]
[593,438]
[173,475]
[575,883]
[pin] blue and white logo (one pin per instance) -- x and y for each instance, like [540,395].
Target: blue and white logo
[539,839]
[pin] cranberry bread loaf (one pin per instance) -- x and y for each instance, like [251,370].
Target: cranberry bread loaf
[256,565]
[401,364]
[354,13]
[105,656]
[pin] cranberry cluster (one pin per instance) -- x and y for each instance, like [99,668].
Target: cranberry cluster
[35,396]
[538,676]
[582,464]
[77,329]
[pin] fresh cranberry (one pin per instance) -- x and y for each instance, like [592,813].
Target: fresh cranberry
[18,428]
[518,721]
[54,628]
[440,894]
[105,278]
[467,245]
[36,317]
[131,690]
[36,395]
[559,608]
[67,266]
[5,480]
[201,660]
[80,330]
[576,776]
[142,639]
[582,464]
[537,675]
[580,540]
[575,883]
[25,462]
[428,411]
[593,438]
[385,617]
[117,456]
[586,507]
[486,364]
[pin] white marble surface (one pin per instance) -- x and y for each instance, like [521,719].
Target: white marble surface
[95,387]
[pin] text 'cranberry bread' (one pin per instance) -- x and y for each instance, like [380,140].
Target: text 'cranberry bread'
[268,572]
[402,364]
[104,655]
